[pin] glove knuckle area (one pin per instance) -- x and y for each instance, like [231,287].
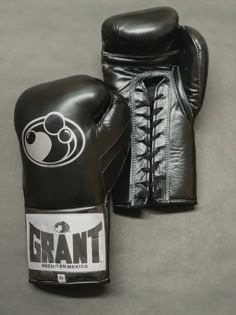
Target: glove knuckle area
[125,33]
[80,96]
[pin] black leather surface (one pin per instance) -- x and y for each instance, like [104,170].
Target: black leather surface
[85,181]
[103,117]
[161,70]
[123,33]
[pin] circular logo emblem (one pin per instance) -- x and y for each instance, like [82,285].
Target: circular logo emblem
[53,140]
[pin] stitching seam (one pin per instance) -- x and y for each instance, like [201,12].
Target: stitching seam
[117,139]
[198,59]
[113,158]
[168,148]
[111,103]
[100,162]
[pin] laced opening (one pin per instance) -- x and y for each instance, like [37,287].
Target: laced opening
[150,188]
[151,182]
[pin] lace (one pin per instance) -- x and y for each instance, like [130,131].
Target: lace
[151,183]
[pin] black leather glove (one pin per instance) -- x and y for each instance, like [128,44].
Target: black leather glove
[74,137]
[161,70]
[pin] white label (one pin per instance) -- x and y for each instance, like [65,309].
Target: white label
[66,242]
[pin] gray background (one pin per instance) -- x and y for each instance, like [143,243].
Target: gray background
[167,264]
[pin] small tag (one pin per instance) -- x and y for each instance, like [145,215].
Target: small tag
[61,278]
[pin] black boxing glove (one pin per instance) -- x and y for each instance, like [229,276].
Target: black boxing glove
[74,137]
[161,70]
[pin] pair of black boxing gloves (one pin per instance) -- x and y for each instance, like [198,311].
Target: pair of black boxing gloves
[130,139]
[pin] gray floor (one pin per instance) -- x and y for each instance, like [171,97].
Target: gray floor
[173,264]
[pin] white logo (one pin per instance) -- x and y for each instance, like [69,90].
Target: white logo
[53,140]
